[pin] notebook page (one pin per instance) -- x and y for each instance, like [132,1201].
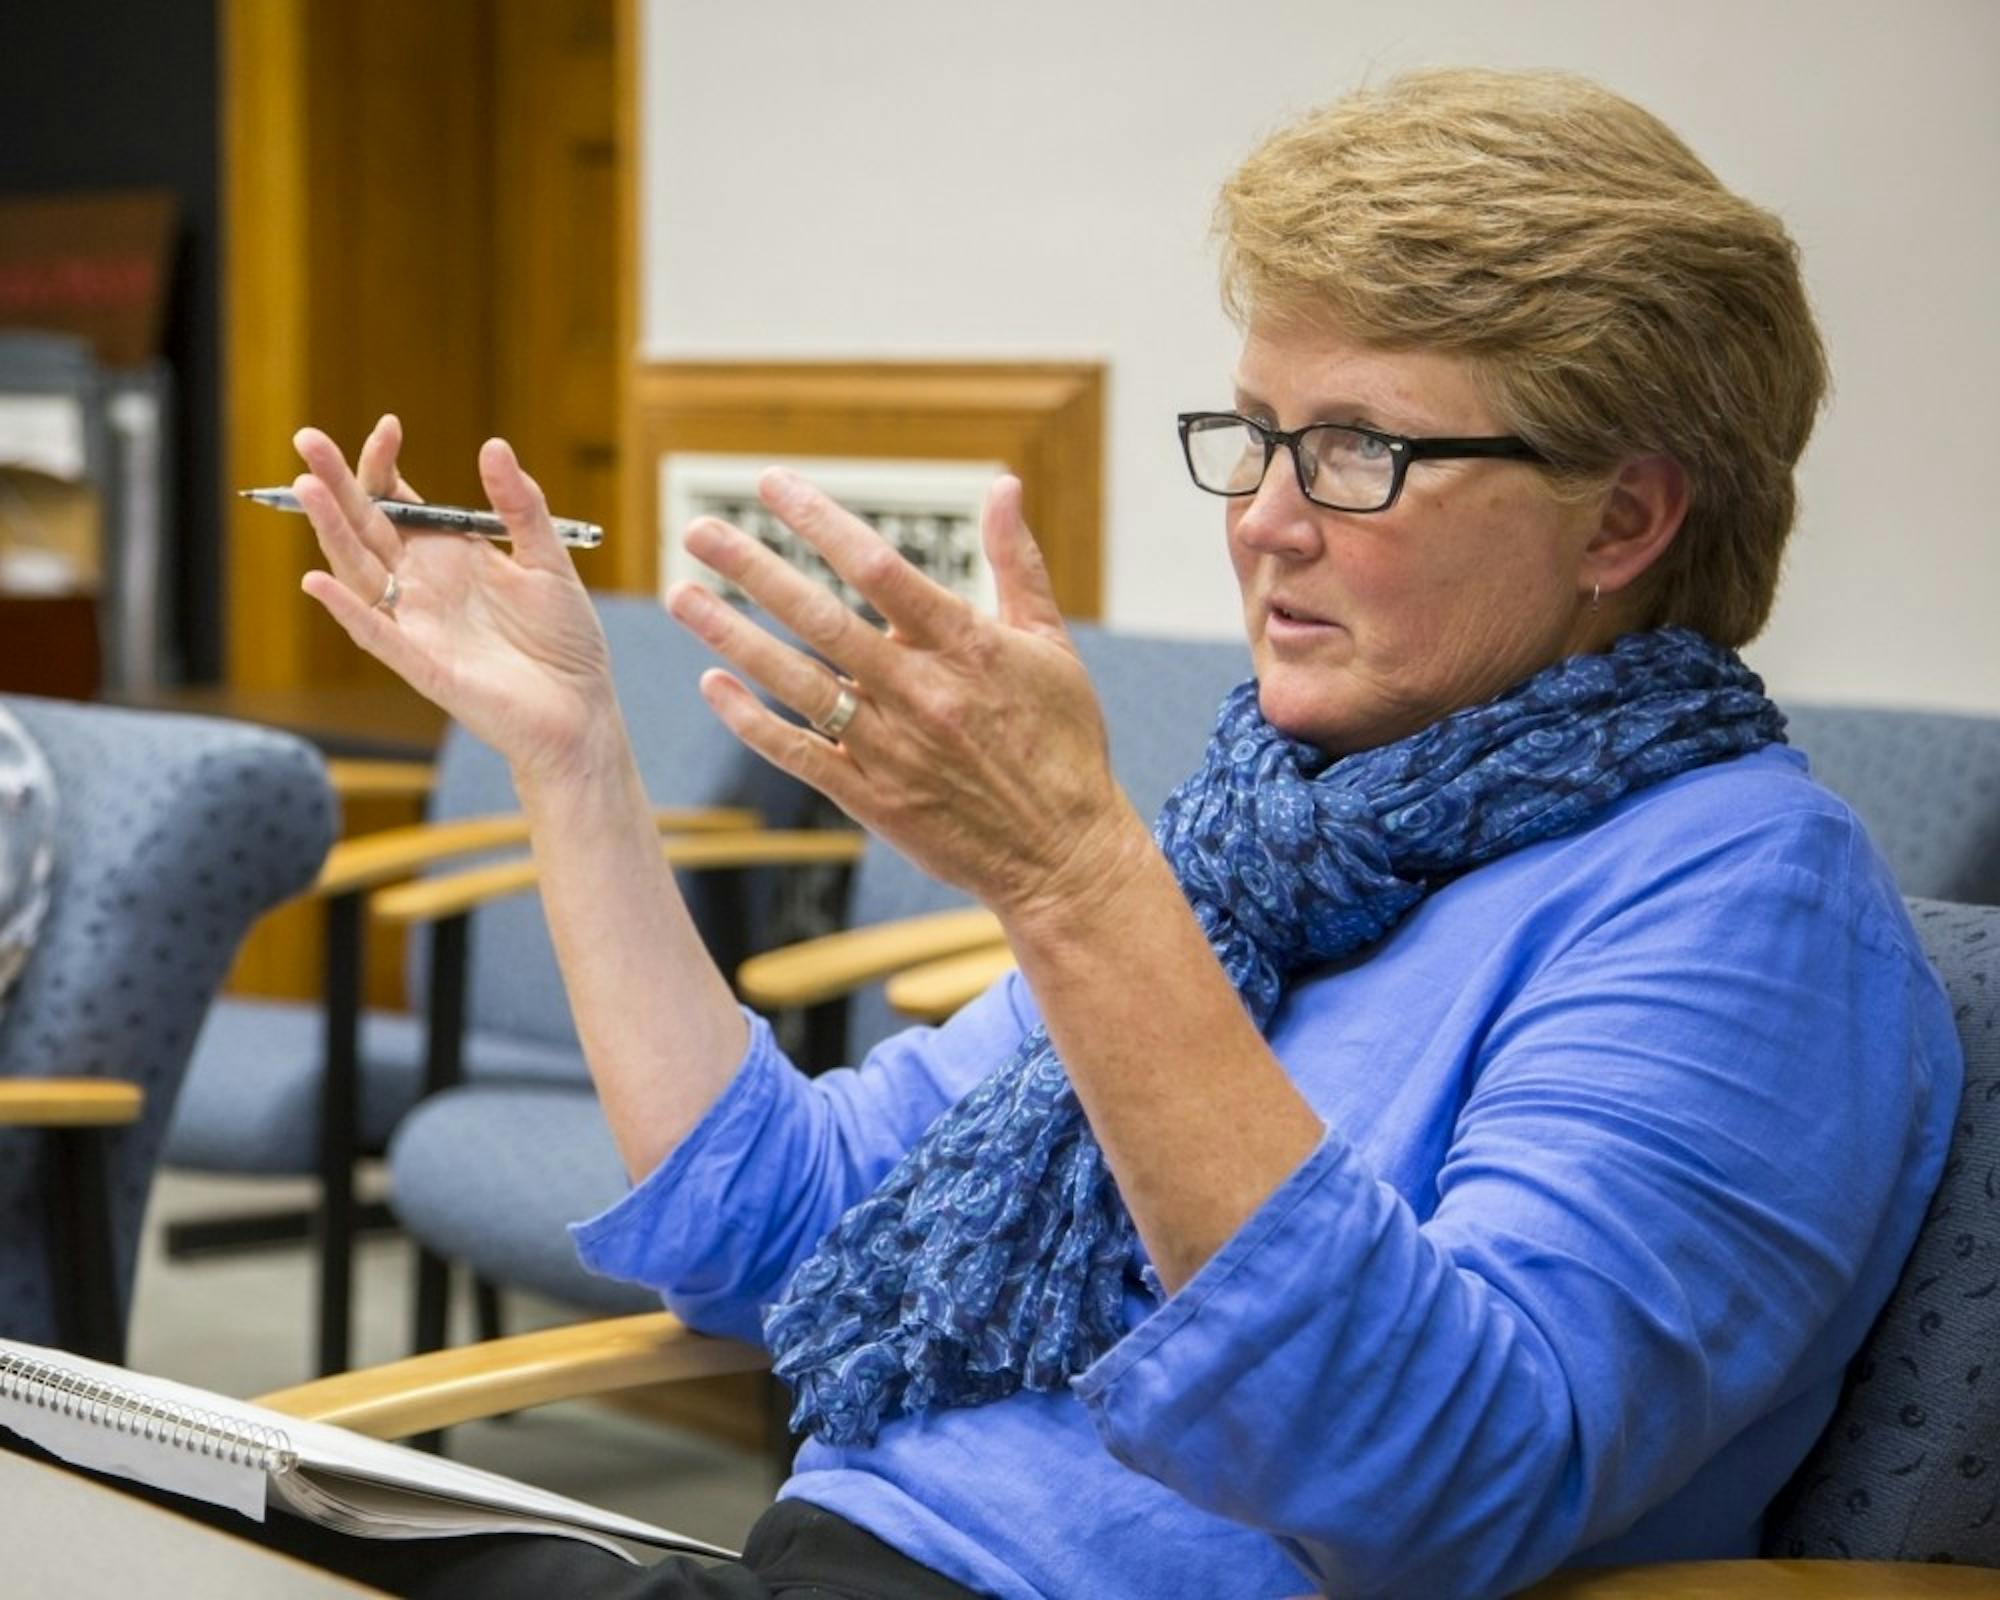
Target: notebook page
[336,1451]
[354,1505]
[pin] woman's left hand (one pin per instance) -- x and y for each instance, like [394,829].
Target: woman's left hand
[975,746]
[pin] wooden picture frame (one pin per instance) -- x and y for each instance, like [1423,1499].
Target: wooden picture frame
[1044,420]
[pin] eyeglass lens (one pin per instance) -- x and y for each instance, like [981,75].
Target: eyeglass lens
[1342,468]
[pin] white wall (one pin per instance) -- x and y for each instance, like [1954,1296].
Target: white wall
[917,178]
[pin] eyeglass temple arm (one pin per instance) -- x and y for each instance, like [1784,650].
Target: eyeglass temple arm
[1506,448]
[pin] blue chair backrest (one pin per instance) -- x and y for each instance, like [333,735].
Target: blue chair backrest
[1925,783]
[686,758]
[173,835]
[1909,1467]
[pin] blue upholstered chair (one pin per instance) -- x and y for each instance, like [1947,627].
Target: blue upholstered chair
[1909,1467]
[1905,1471]
[175,834]
[1926,784]
[489,1174]
[257,1096]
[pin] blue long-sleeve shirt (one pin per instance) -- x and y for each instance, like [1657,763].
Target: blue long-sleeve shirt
[1627,1136]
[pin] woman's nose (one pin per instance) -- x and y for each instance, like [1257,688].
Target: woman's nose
[1278,519]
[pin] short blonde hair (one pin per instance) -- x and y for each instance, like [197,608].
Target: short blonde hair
[1613,297]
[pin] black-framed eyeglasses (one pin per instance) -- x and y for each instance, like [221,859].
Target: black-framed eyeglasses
[1340,467]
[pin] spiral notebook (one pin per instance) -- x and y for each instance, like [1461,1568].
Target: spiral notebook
[242,1456]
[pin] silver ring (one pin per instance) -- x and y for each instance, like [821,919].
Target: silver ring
[834,723]
[392,591]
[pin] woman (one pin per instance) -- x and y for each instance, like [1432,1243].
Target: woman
[1475,1136]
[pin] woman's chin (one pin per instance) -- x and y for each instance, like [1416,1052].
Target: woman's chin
[1329,710]
[1310,717]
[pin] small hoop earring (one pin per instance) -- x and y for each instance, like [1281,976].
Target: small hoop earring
[1596,589]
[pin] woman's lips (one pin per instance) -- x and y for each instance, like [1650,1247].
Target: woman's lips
[1282,623]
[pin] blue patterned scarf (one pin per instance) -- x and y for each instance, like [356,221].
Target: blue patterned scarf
[997,1254]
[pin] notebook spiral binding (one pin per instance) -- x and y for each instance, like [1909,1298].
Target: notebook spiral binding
[184,1427]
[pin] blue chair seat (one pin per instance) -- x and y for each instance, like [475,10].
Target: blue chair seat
[267,1122]
[490,1175]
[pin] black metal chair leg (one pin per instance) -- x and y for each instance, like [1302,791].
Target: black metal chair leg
[340,1131]
[82,1253]
[486,1308]
[233,1232]
[433,1303]
[444,1038]
[433,1308]
[825,1036]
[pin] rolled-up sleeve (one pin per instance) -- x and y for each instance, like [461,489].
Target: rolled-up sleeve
[1331,1377]
[720,1225]
[1672,1168]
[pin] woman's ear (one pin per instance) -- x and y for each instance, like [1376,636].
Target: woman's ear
[1642,511]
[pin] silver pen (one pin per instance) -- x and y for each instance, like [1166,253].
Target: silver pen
[453,519]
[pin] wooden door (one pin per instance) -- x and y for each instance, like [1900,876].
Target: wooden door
[557,276]
[422,211]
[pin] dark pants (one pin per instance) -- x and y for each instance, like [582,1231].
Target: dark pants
[795,1550]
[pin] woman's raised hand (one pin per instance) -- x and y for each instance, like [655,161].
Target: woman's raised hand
[507,643]
[973,743]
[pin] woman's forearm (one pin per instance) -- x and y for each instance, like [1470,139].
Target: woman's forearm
[510,647]
[1196,1117]
[660,1028]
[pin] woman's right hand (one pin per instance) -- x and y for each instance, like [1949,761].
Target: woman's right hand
[508,644]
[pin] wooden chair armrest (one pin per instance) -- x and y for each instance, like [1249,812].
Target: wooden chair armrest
[447,1387]
[934,990]
[1770,1580]
[354,779]
[69,1102]
[813,970]
[394,853]
[375,858]
[453,894]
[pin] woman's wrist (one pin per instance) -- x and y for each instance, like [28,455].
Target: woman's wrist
[595,760]
[1103,883]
